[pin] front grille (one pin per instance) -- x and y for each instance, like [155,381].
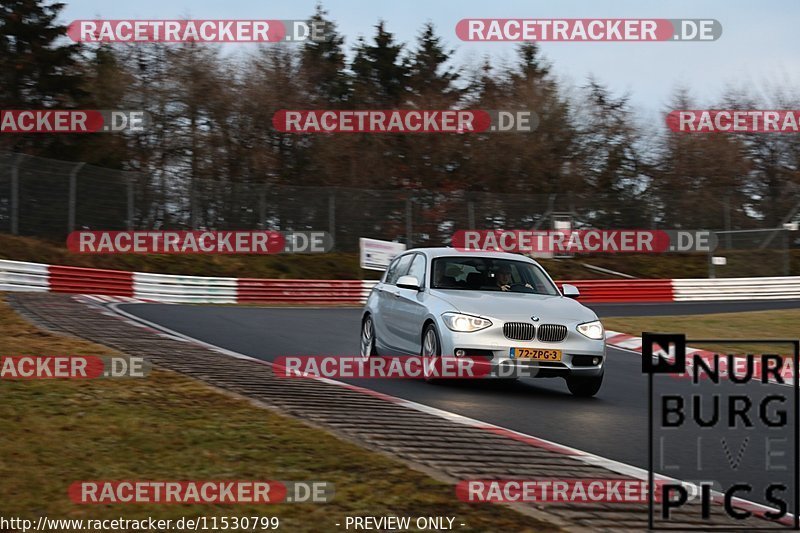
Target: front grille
[519,331]
[552,332]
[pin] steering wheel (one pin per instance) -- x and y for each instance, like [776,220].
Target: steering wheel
[523,286]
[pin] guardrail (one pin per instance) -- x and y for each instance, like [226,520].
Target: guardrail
[184,289]
[90,280]
[782,288]
[624,290]
[310,291]
[22,276]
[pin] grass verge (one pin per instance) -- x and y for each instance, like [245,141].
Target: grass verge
[169,427]
[778,324]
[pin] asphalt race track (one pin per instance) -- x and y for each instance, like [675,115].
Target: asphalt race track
[613,424]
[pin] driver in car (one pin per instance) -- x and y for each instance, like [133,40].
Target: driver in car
[505,280]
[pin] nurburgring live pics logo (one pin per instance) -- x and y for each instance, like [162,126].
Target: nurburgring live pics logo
[666,354]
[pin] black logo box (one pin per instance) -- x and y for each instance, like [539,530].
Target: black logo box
[653,344]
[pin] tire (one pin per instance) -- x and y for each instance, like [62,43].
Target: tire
[431,349]
[584,387]
[368,338]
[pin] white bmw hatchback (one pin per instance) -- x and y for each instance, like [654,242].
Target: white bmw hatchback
[504,308]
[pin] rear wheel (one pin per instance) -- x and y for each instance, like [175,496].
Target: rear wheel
[431,352]
[368,338]
[584,387]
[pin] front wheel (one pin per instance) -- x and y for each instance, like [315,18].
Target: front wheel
[368,338]
[584,387]
[431,352]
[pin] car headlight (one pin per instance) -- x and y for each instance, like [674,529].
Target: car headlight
[593,330]
[465,323]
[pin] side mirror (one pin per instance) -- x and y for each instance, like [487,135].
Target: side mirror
[408,282]
[570,291]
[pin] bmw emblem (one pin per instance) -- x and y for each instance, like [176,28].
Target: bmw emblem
[535,318]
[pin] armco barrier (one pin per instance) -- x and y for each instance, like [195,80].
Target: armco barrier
[312,291]
[625,290]
[184,289]
[90,281]
[22,276]
[784,288]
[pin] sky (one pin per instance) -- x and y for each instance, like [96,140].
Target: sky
[759,48]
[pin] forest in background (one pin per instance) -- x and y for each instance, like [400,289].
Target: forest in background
[211,130]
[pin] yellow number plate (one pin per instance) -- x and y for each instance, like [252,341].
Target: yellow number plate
[536,354]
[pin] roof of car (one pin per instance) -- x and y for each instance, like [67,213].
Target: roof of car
[443,251]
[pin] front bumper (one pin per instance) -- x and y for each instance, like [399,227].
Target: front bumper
[578,352]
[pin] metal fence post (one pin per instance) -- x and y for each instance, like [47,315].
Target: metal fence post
[15,194]
[262,207]
[332,216]
[551,202]
[711,265]
[73,196]
[409,224]
[471,214]
[192,204]
[129,214]
[727,214]
[786,256]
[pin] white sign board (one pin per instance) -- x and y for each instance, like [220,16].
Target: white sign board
[566,226]
[719,261]
[376,255]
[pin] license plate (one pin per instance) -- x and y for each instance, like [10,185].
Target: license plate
[536,354]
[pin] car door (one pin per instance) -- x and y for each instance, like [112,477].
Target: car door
[382,299]
[387,299]
[409,309]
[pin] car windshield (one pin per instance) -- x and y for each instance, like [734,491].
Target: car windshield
[490,274]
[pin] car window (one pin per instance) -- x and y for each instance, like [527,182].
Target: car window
[389,271]
[417,268]
[490,274]
[399,269]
